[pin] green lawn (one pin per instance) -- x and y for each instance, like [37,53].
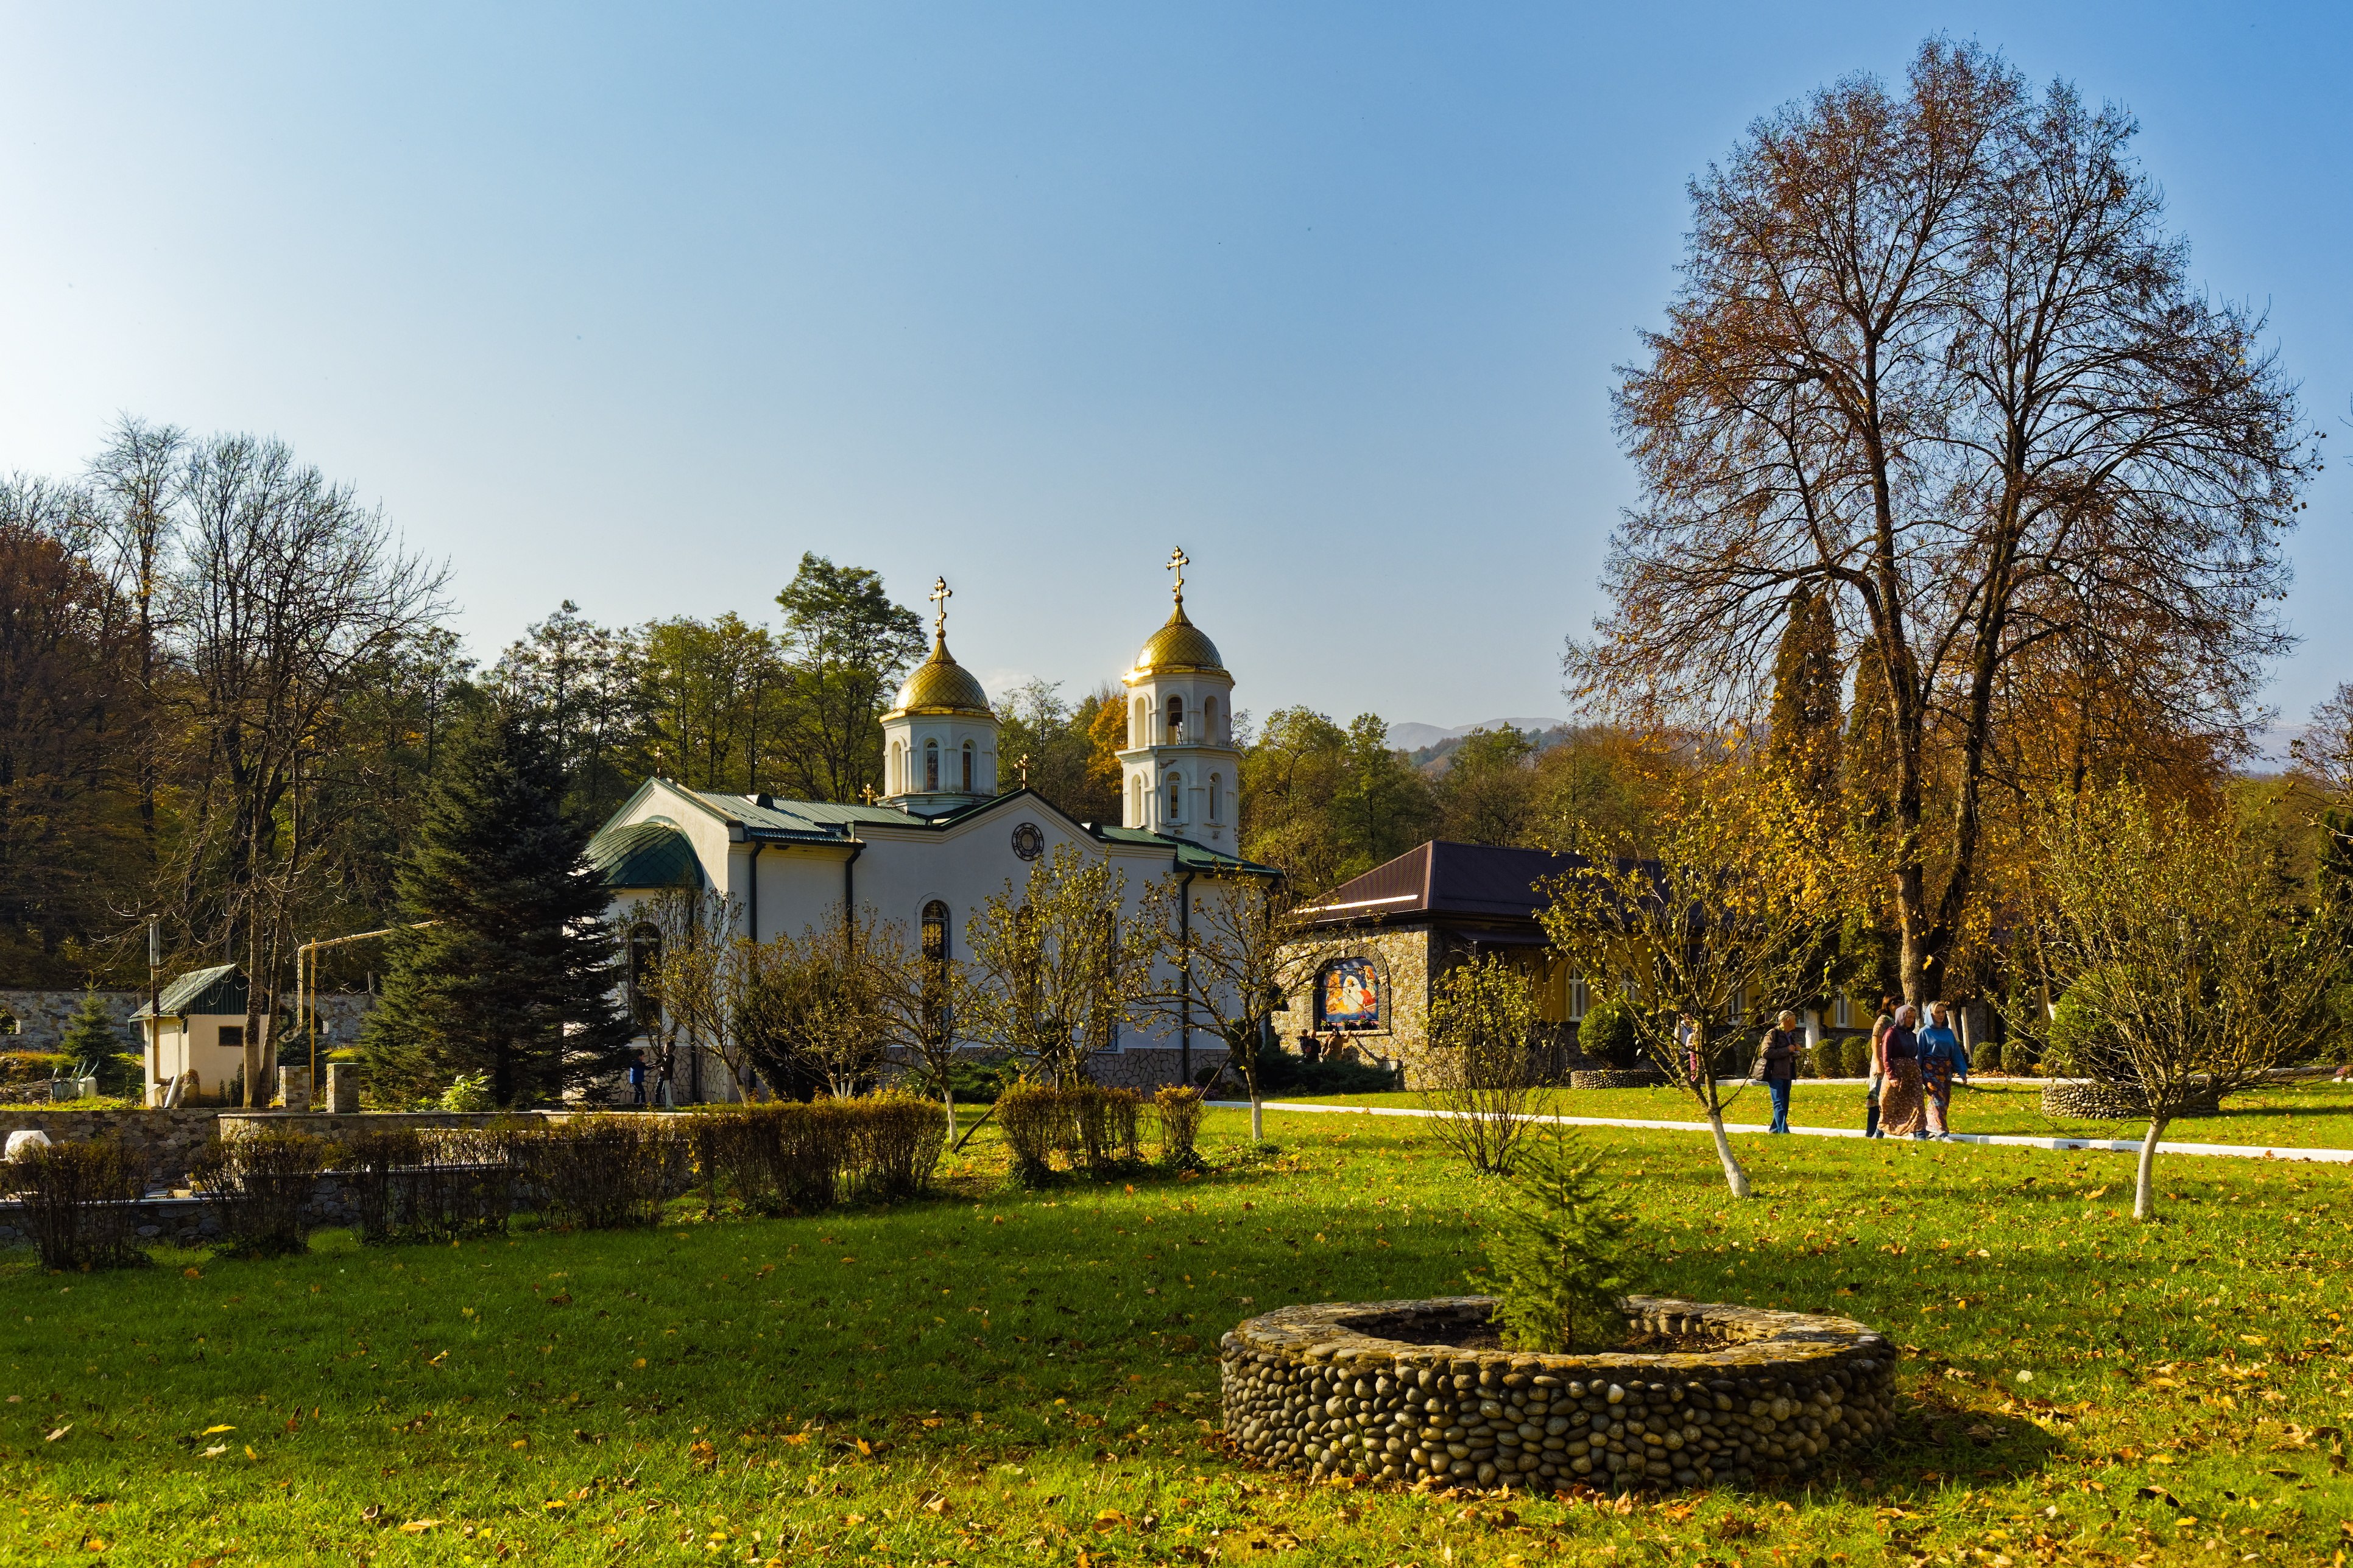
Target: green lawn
[2312,1114]
[998,1378]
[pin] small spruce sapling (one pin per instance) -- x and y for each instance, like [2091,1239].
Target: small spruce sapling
[1558,1249]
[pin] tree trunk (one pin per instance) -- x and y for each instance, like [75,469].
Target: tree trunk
[1257,1114]
[1734,1177]
[2145,1176]
[947,1098]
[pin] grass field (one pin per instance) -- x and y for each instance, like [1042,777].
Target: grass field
[2311,1114]
[992,1378]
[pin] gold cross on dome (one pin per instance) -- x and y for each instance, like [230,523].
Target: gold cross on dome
[1022,762]
[941,594]
[1177,561]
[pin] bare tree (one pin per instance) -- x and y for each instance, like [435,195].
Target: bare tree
[290,592]
[136,478]
[1937,357]
[1230,962]
[1705,919]
[920,991]
[1054,978]
[818,1002]
[2195,968]
[1484,1028]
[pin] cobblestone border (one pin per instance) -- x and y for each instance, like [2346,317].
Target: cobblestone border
[2115,1101]
[1355,1388]
[1616,1078]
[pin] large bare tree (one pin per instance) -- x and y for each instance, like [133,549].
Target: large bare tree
[1937,357]
[291,594]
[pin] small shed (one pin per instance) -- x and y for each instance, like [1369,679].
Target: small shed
[201,1030]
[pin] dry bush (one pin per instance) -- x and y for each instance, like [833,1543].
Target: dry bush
[258,1185]
[434,1186]
[82,1201]
[1031,1117]
[1180,1111]
[603,1173]
[900,1139]
[1105,1123]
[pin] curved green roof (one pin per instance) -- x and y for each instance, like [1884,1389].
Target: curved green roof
[645,855]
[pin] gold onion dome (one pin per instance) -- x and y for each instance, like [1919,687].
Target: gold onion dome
[1178,646]
[941,685]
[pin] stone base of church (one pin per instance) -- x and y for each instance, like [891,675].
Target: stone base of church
[1149,1068]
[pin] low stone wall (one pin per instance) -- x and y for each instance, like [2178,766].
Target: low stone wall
[2114,1102]
[162,1141]
[190,1222]
[1616,1078]
[1359,1388]
[43,1017]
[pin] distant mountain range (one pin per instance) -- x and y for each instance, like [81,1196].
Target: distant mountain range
[1418,737]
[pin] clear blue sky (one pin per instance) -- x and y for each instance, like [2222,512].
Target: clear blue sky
[634,305]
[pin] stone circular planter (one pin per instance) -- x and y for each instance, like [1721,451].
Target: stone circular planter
[1376,1388]
[1616,1078]
[2114,1102]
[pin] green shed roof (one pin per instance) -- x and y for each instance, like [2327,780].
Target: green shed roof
[219,989]
[645,855]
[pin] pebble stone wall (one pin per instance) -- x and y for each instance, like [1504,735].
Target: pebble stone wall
[1345,1389]
[2115,1101]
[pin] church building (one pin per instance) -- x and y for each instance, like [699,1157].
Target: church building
[944,835]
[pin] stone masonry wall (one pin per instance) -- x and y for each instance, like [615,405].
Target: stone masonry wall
[1326,1389]
[43,1017]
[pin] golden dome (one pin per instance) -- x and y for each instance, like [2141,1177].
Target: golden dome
[1180,646]
[941,685]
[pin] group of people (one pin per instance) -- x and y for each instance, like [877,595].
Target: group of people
[1912,1070]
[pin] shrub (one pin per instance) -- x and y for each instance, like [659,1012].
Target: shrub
[1104,1121]
[1285,1073]
[1987,1056]
[82,1201]
[1826,1059]
[431,1185]
[976,1080]
[1606,1033]
[468,1092]
[1179,1113]
[900,1139]
[1031,1115]
[603,1173]
[1854,1056]
[258,1185]
[1557,1247]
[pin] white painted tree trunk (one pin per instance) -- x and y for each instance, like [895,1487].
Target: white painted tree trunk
[2145,1178]
[947,1097]
[1734,1177]
[1258,1117]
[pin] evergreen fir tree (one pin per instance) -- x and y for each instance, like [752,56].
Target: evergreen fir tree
[516,977]
[92,1040]
[1558,1244]
[1806,689]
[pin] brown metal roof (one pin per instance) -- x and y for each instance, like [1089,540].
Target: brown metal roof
[1440,878]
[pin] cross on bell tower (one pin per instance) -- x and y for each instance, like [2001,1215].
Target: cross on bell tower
[1177,561]
[941,594]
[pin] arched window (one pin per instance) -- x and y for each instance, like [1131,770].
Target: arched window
[1176,798]
[645,970]
[1209,720]
[1135,800]
[1214,781]
[936,965]
[1176,721]
[932,765]
[967,767]
[897,784]
[1139,726]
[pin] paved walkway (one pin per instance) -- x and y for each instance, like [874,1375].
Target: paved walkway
[2023,1141]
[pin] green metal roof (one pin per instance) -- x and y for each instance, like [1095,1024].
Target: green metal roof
[645,855]
[1191,856]
[218,990]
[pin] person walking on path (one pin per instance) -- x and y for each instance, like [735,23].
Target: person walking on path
[637,1078]
[1777,1063]
[1900,1109]
[1941,1055]
[1879,1027]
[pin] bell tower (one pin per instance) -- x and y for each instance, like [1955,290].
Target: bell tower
[1180,773]
[939,739]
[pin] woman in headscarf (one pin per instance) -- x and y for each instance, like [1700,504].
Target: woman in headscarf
[1941,1055]
[1879,1027]
[1901,1104]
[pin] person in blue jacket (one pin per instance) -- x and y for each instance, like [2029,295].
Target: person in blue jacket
[1777,1063]
[1941,1057]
